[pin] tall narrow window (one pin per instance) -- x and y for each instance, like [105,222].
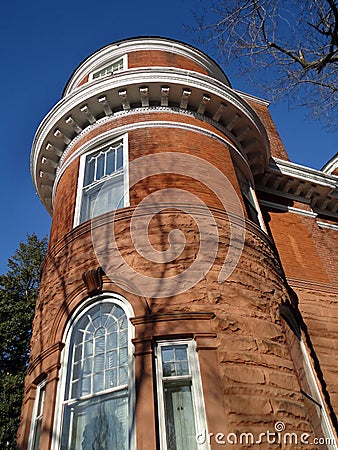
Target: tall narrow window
[103,180]
[34,440]
[313,397]
[250,199]
[95,405]
[180,397]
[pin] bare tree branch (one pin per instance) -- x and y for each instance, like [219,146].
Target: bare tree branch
[296,41]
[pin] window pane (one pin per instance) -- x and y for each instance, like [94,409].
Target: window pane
[179,418]
[123,375]
[112,340]
[100,424]
[90,171]
[112,359]
[118,65]
[116,195]
[88,348]
[100,166]
[168,354]
[175,360]
[78,352]
[111,379]
[119,163]
[37,435]
[98,382]
[76,370]
[87,366]
[110,161]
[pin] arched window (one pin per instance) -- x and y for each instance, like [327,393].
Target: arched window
[96,401]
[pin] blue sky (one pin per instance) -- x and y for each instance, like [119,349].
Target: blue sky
[43,42]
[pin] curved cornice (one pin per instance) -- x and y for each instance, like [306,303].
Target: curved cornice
[313,187]
[121,48]
[178,89]
[331,165]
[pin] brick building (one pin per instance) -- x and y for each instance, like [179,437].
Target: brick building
[188,297]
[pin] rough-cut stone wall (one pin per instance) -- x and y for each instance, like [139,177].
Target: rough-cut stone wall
[318,305]
[309,257]
[253,370]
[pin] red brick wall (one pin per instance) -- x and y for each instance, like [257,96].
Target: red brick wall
[277,146]
[142,142]
[146,58]
[307,252]
[157,58]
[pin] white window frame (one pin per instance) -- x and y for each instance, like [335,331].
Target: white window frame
[81,177]
[196,390]
[313,392]
[124,59]
[316,397]
[251,197]
[59,407]
[40,390]
[257,207]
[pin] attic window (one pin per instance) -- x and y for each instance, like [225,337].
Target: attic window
[114,66]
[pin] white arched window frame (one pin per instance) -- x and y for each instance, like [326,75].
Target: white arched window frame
[99,411]
[103,181]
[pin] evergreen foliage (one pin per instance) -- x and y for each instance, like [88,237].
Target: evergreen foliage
[18,294]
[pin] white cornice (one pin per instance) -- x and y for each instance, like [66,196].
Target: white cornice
[112,51]
[330,226]
[255,99]
[187,92]
[287,208]
[300,183]
[331,165]
[303,172]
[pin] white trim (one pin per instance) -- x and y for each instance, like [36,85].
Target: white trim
[330,226]
[313,384]
[139,44]
[253,98]
[286,208]
[303,173]
[196,390]
[331,165]
[94,149]
[258,209]
[106,297]
[32,432]
[124,79]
